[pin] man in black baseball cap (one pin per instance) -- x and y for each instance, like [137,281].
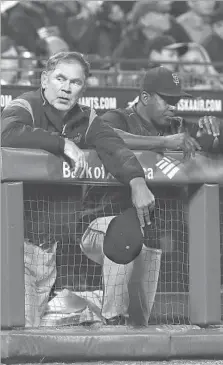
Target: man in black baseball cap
[149,124]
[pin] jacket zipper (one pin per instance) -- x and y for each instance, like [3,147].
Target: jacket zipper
[63,131]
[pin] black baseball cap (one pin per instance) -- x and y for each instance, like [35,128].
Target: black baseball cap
[124,239]
[165,83]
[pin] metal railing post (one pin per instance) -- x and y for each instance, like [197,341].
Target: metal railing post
[204,256]
[12,256]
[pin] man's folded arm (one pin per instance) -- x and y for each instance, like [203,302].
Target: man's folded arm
[116,156]
[18,132]
[134,141]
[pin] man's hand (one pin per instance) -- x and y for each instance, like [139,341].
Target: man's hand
[184,142]
[77,156]
[142,199]
[209,125]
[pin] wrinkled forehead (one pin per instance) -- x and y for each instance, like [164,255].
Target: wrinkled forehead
[70,69]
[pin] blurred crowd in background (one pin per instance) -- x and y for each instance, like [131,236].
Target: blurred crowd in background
[121,39]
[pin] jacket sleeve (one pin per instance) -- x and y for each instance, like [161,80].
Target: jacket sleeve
[18,131]
[117,158]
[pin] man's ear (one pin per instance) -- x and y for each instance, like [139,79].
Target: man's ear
[145,98]
[44,79]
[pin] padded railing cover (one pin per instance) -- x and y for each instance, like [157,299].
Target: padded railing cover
[169,168]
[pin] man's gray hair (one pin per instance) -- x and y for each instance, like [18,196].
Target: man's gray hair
[68,57]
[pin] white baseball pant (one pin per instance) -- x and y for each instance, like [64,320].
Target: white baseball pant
[125,286]
[40,276]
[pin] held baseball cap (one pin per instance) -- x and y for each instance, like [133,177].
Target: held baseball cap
[165,83]
[123,240]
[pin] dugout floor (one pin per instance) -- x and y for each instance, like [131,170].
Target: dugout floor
[117,343]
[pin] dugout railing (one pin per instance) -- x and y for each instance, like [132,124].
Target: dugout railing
[190,199]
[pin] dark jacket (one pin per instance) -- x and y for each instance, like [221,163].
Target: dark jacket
[130,121]
[29,121]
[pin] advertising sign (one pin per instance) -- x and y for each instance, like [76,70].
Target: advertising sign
[102,99]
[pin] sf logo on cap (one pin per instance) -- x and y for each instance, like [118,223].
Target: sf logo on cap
[176,79]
